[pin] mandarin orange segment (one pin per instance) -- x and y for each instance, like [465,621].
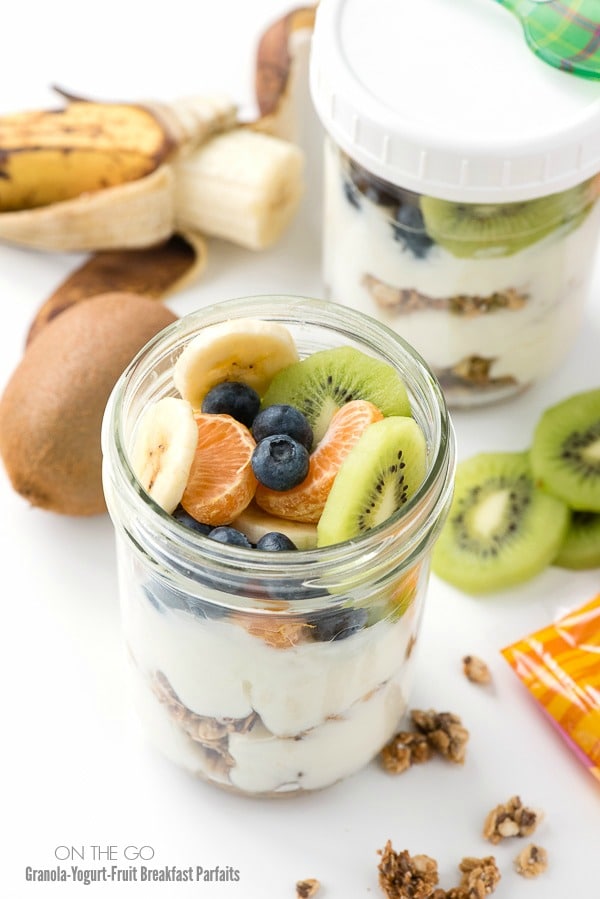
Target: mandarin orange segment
[221,482]
[306,501]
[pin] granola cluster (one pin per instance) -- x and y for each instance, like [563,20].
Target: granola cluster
[307,888]
[476,670]
[211,735]
[444,732]
[402,876]
[436,732]
[512,819]
[405,749]
[479,878]
[531,861]
[405,876]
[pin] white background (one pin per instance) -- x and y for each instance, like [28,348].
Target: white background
[75,770]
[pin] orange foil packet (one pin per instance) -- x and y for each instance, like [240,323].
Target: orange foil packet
[560,666]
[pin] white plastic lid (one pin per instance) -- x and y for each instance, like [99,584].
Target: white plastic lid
[445,98]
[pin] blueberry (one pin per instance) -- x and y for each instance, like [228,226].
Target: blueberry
[280,462]
[351,194]
[274,541]
[188,521]
[338,625]
[283,419]
[409,228]
[233,398]
[231,536]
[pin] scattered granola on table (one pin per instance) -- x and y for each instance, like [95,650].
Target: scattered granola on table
[476,670]
[307,888]
[531,861]
[479,877]
[444,731]
[402,876]
[405,749]
[512,819]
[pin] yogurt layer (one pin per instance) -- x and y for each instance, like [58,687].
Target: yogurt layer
[218,669]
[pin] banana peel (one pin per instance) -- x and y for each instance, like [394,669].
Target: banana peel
[280,72]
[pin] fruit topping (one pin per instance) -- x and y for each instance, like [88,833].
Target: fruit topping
[244,349]
[337,625]
[221,482]
[502,528]
[307,501]
[275,541]
[282,418]
[323,382]
[187,521]
[229,535]
[381,472]
[254,522]
[409,229]
[280,462]
[232,398]
[500,229]
[565,455]
[163,450]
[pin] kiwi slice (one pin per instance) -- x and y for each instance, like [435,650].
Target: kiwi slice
[500,229]
[501,528]
[380,473]
[581,548]
[565,454]
[320,384]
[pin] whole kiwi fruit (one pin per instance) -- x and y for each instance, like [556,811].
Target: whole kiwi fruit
[52,407]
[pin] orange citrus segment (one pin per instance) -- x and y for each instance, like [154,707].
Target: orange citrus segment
[306,501]
[221,482]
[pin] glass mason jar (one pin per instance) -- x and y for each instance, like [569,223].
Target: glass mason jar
[460,193]
[270,673]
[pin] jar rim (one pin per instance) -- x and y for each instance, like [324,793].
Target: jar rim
[405,534]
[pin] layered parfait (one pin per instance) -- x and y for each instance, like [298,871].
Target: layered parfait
[491,294]
[259,662]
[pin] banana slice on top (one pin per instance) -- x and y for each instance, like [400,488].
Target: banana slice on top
[163,450]
[242,349]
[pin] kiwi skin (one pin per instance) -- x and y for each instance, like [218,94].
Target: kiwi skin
[52,407]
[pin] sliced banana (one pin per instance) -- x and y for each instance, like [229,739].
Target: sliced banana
[163,450]
[242,349]
[254,523]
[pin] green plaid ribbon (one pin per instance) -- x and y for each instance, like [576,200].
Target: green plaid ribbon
[564,33]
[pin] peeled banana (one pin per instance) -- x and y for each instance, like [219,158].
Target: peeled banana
[100,176]
[240,185]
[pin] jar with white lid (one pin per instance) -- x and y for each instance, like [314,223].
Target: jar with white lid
[461,185]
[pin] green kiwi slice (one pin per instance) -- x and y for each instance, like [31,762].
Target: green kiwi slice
[501,528]
[469,230]
[381,473]
[581,548]
[565,454]
[324,381]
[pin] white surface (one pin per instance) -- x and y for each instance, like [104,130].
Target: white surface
[75,770]
[447,99]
